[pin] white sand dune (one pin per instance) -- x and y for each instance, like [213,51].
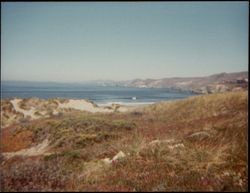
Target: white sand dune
[26,113]
[38,108]
[84,106]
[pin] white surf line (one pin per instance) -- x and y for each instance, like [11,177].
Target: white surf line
[125,104]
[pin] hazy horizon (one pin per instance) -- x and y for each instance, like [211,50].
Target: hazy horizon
[86,81]
[88,41]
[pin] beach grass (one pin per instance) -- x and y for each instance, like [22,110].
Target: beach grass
[194,144]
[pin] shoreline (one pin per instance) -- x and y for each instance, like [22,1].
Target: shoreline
[94,103]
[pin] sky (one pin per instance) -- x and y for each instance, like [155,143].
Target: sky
[79,41]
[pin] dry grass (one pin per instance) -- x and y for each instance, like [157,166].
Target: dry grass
[196,144]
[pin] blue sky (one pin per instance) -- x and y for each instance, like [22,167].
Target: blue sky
[81,41]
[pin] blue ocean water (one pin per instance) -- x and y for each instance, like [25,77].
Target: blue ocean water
[100,95]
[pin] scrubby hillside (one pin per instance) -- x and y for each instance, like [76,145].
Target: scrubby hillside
[196,144]
[208,84]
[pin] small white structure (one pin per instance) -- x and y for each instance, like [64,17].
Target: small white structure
[133,98]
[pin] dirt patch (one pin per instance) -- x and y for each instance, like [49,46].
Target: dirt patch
[15,142]
[39,149]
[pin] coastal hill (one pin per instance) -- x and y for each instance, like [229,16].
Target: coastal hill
[193,144]
[209,84]
[221,82]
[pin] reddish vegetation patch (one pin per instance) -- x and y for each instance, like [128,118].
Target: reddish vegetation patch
[12,142]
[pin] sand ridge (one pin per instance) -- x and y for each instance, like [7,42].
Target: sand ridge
[83,105]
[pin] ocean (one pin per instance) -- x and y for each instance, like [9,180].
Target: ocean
[101,95]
